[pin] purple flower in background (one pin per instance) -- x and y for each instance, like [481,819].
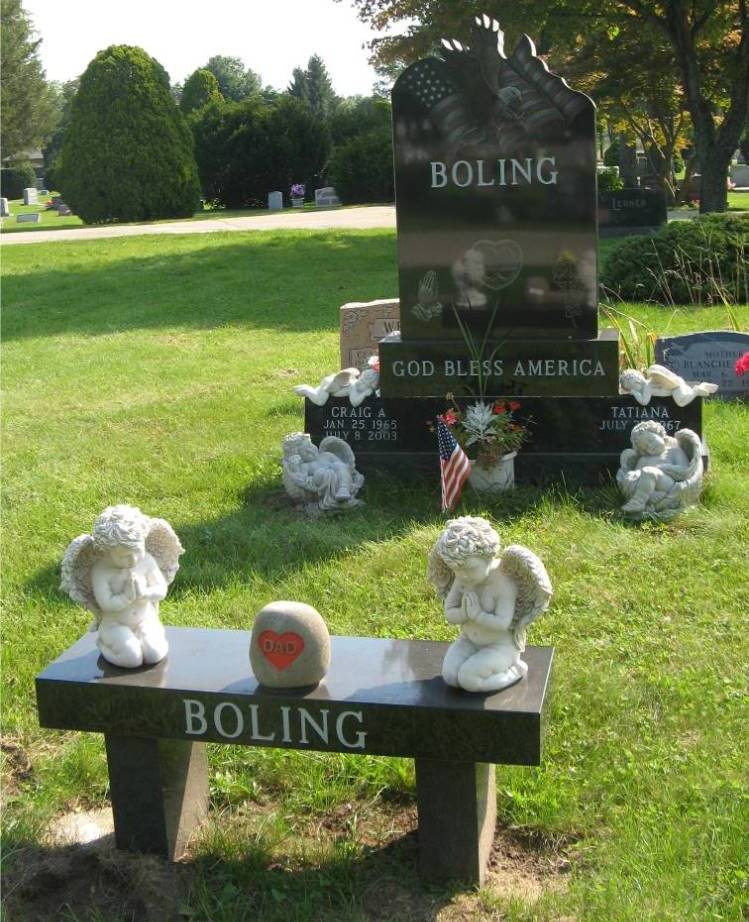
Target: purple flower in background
[298,190]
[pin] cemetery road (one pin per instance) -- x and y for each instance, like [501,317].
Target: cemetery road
[324,219]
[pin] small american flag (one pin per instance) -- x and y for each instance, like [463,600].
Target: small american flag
[454,466]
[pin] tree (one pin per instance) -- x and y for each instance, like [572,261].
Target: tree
[127,153]
[707,43]
[313,86]
[64,95]
[234,80]
[27,105]
[357,115]
[246,150]
[200,89]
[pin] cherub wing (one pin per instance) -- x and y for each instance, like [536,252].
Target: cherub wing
[690,444]
[534,588]
[75,572]
[340,448]
[165,547]
[439,574]
[344,378]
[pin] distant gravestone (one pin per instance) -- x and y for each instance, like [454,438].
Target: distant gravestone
[707,356]
[740,174]
[30,196]
[495,165]
[326,196]
[43,191]
[631,211]
[35,218]
[4,208]
[363,325]
[275,201]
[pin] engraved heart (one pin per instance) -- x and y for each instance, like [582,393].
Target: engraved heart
[280,649]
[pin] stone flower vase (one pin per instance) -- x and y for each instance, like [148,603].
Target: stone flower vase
[497,478]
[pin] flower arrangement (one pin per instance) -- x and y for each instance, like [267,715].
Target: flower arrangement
[486,429]
[298,190]
[742,365]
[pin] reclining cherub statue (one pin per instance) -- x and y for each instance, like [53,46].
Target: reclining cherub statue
[321,479]
[121,572]
[661,474]
[492,596]
[349,382]
[659,381]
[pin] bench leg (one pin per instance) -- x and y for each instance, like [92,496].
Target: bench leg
[159,792]
[457,805]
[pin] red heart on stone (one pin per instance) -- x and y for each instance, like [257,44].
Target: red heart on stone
[281,649]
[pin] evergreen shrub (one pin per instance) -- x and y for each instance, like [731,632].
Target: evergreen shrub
[361,169]
[14,179]
[700,261]
[127,153]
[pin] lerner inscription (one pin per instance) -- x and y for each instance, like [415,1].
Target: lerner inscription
[294,726]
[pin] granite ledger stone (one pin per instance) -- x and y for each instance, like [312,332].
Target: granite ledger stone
[495,173]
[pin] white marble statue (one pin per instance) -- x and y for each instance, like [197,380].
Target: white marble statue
[349,382]
[661,474]
[492,596]
[659,381]
[321,479]
[120,572]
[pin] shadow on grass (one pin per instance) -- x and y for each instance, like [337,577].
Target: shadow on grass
[95,882]
[292,281]
[269,538]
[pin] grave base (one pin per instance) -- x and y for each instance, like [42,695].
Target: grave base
[576,441]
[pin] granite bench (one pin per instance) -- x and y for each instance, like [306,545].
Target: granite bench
[380,697]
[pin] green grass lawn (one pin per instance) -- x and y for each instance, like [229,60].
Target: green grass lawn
[158,371]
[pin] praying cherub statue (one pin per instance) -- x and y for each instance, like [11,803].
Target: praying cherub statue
[661,474]
[349,382]
[492,596]
[120,572]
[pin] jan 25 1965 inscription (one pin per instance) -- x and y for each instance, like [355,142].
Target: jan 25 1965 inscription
[495,173]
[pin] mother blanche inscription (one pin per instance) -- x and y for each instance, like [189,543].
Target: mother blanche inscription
[495,173]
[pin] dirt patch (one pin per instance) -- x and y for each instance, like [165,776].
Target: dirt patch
[17,766]
[42,883]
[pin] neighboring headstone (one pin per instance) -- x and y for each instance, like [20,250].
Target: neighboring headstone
[30,196]
[740,174]
[707,356]
[39,182]
[363,325]
[290,646]
[43,191]
[631,211]
[495,171]
[275,201]
[63,209]
[34,218]
[326,196]
[4,208]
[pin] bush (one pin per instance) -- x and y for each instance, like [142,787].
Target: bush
[361,169]
[246,150]
[609,181]
[611,155]
[14,179]
[127,153]
[700,261]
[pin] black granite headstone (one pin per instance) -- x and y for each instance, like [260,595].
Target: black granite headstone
[707,356]
[495,173]
[627,210]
